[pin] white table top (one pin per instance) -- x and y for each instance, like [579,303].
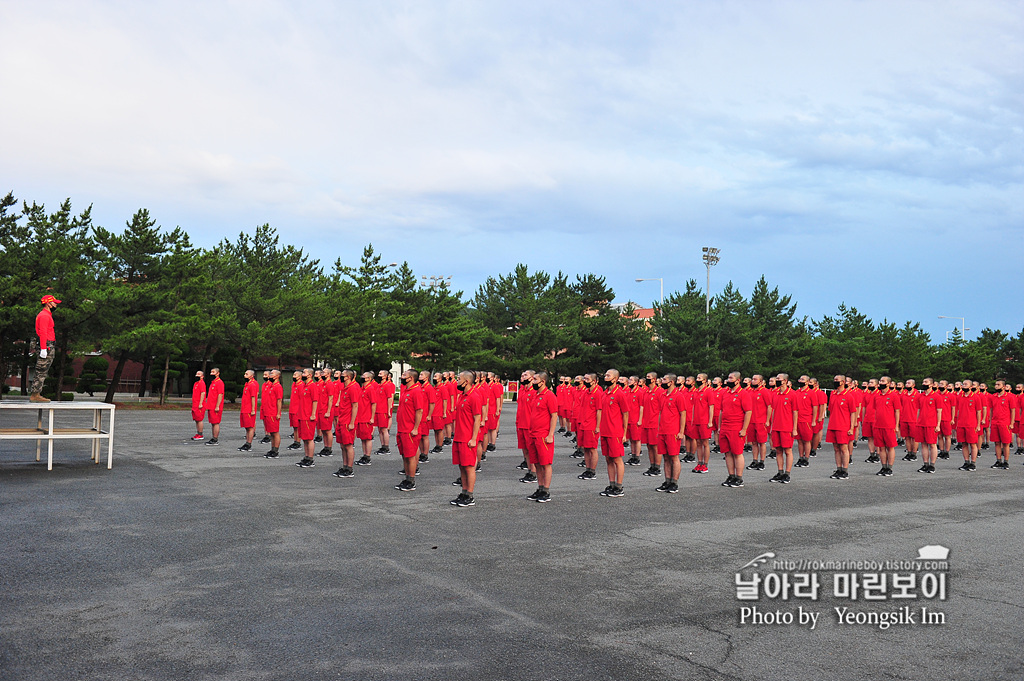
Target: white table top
[79,406]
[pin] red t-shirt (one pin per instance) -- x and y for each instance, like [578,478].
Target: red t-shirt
[216,390]
[542,406]
[760,399]
[592,401]
[672,405]
[805,402]
[470,406]
[306,396]
[735,403]
[869,407]
[249,395]
[294,397]
[840,411]
[886,404]
[783,406]
[928,405]
[1001,406]
[703,401]
[272,392]
[385,396]
[366,402]
[612,411]
[910,407]
[349,396]
[967,408]
[44,327]
[410,400]
[524,408]
[198,391]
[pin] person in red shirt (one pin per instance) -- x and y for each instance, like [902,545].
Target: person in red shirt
[908,420]
[807,411]
[308,408]
[736,410]
[293,409]
[578,391]
[430,412]
[412,408]
[784,418]
[842,424]
[611,427]
[271,404]
[543,419]
[495,392]
[1003,421]
[635,415]
[867,419]
[986,415]
[366,416]
[47,338]
[198,405]
[651,407]
[247,409]
[215,405]
[929,416]
[757,433]
[524,414]
[888,406]
[821,402]
[468,429]
[671,431]
[325,407]
[705,415]
[346,412]
[439,420]
[968,425]
[266,379]
[589,438]
[1020,418]
[384,394]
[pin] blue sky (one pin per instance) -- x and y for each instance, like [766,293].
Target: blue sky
[866,152]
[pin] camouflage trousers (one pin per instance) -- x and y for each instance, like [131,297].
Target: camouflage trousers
[42,368]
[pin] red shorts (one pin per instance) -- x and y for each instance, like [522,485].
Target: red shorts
[651,436]
[818,426]
[408,445]
[492,424]
[1001,434]
[634,432]
[271,424]
[463,454]
[364,430]
[246,420]
[907,429]
[437,423]
[690,431]
[838,437]
[927,435]
[611,447]
[703,431]
[587,439]
[293,420]
[668,445]
[757,433]
[730,442]
[967,435]
[343,435]
[947,428]
[867,428]
[214,416]
[324,422]
[885,437]
[307,429]
[523,438]
[917,432]
[382,420]
[782,439]
[541,453]
[198,414]
[804,432]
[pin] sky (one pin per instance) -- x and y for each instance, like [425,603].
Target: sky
[863,152]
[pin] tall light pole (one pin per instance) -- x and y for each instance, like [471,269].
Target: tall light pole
[710,259]
[435,281]
[660,281]
[963,326]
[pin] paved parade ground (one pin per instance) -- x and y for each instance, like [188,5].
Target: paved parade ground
[193,562]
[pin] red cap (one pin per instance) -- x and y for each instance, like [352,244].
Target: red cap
[49,299]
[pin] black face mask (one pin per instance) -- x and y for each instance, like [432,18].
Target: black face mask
[837,382]
[731,384]
[462,388]
[536,386]
[871,388]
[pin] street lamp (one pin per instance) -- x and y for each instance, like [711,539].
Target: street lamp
[963,325]
[710,259]
[660,281]
[435,281]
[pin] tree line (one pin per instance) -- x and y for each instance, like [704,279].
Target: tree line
[148,294]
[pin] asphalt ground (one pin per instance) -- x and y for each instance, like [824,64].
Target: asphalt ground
[193,562]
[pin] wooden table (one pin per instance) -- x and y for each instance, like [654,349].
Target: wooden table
[49,433]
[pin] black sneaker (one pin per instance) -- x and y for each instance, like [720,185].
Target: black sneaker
[737,481]
[381,450]
[265,440]
[344,472]
[814,452]
[325,452]
[965,467]
[447,441]
[760,465]
[837,473]
[364,461]
[673,488]
[689,458]
[771,454]
[633,461]
[464,501]
[747,448]
[997,464]
[490,448]
[881,471]
[405,486]
[295,445]
[483,456]
[802,463]
[728,481]
[402,473]
[587,475]
[923,469]
[582,464]
[272,454]
[617,492]
[607,491]
[245,448]
[984,445]
[653,471]
[785,479]
[523,466]
[424,458]
[888,472]
[457,483]
[578,454]
[931,469]
[776,478]
[436,450]
[845,474]
[536,493]
[752,466]
[306,462]
[663,487]
[906,457]
[943,455]
[456,500]
[528,478]
[560,430]
[318,439]
[543,498]
[872,459]
[212,442]
[973,466]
